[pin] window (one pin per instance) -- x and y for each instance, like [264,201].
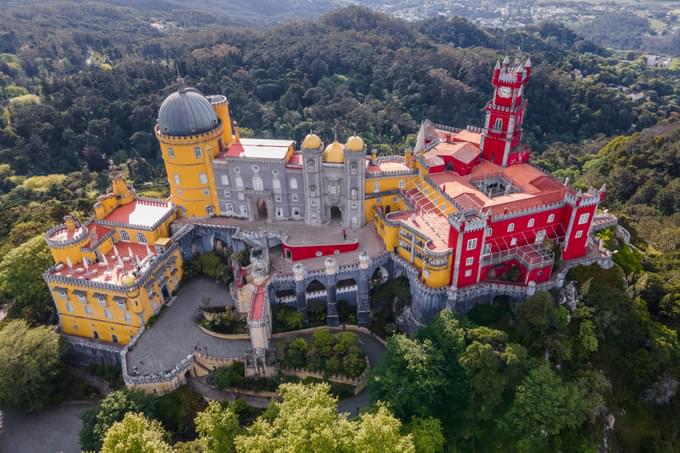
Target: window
[513,242]
[531,223]
[229,208]
[239,182]
[487,249]
[257,183]
[296,212]
[469,261]
[275,171]
[279,212]
[276,185]
[127,316]
[176,176]
[354,193]
[579,234]
[203,178]
[293,184]
[197,152]
[355,205]
[107,313]
[511,227]
[332,189]
[171,153]
[294,197]
[206,192]
[227,194]
[376,186]
[353,167]
[141,238]
[241,196]
[498,125]
[551,218]
[310,164]
[277,197]
[468,273]
[255,168]
[312,202]
[224,179]
[583,218]
[210,210]
[69,307]
[471,244]
[402,183]
[312,190]
[88,309]
[124,236]
[244,211]
[237,170]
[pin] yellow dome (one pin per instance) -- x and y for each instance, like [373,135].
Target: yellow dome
[311,141]
[128,280]
[355,143]
[334,153]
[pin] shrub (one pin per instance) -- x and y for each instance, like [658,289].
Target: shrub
[228,376]
[177,411]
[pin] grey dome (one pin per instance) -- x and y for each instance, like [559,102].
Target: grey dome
[186,112]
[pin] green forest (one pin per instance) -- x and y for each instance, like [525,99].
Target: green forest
[81,84]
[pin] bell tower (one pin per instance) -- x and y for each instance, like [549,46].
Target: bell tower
[502,133]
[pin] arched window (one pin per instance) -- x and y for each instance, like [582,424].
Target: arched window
[224,179]
[531,223]
[498,124]
[171,152]
[551,218]
[203,178]
[141,238]
[124,236]
[257,183]
[239,182]
[276,185]
[176,177]
[197,152]
[293,184]
[210,211]
[511,227]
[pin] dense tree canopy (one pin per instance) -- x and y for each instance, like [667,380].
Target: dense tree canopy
[31,370]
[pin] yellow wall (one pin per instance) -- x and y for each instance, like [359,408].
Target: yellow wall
[138,304]
[386,183]
[190,193]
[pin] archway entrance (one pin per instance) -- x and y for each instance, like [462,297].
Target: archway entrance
[261,210]
[336,214]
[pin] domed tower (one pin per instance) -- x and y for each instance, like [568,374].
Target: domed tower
[354,159]
[312,154]
[191,134]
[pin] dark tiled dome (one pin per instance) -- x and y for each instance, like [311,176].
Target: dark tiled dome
[186,112]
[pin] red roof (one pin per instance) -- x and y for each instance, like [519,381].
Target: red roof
[140,212]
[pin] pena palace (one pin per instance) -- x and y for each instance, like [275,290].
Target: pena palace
[463,215]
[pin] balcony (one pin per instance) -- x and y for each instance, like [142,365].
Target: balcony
[531,256]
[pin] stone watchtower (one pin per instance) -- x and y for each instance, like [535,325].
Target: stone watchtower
[312,153]
[355,151]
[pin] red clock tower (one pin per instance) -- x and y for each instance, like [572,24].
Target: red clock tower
[500,142]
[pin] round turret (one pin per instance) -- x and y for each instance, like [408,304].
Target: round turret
[186,112]
[355,144]
[334,153]
[128,280]
[311,141]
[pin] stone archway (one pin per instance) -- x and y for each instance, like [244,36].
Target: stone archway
[335,214]
[380,275]
[261,211]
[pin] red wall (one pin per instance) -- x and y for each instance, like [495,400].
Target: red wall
[500,228]
[475,254]
[303,252]
[578,247]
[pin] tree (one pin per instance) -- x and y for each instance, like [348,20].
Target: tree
[21,283]
[378,432]
[110,410]
[545,406]
[30,365]
[217,427]
[306,420]
[427,434]
[136,434]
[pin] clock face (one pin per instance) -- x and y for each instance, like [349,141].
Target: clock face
[504,92]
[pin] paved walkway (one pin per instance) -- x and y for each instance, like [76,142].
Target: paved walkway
[54,430]
[175,333]
[211,393]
